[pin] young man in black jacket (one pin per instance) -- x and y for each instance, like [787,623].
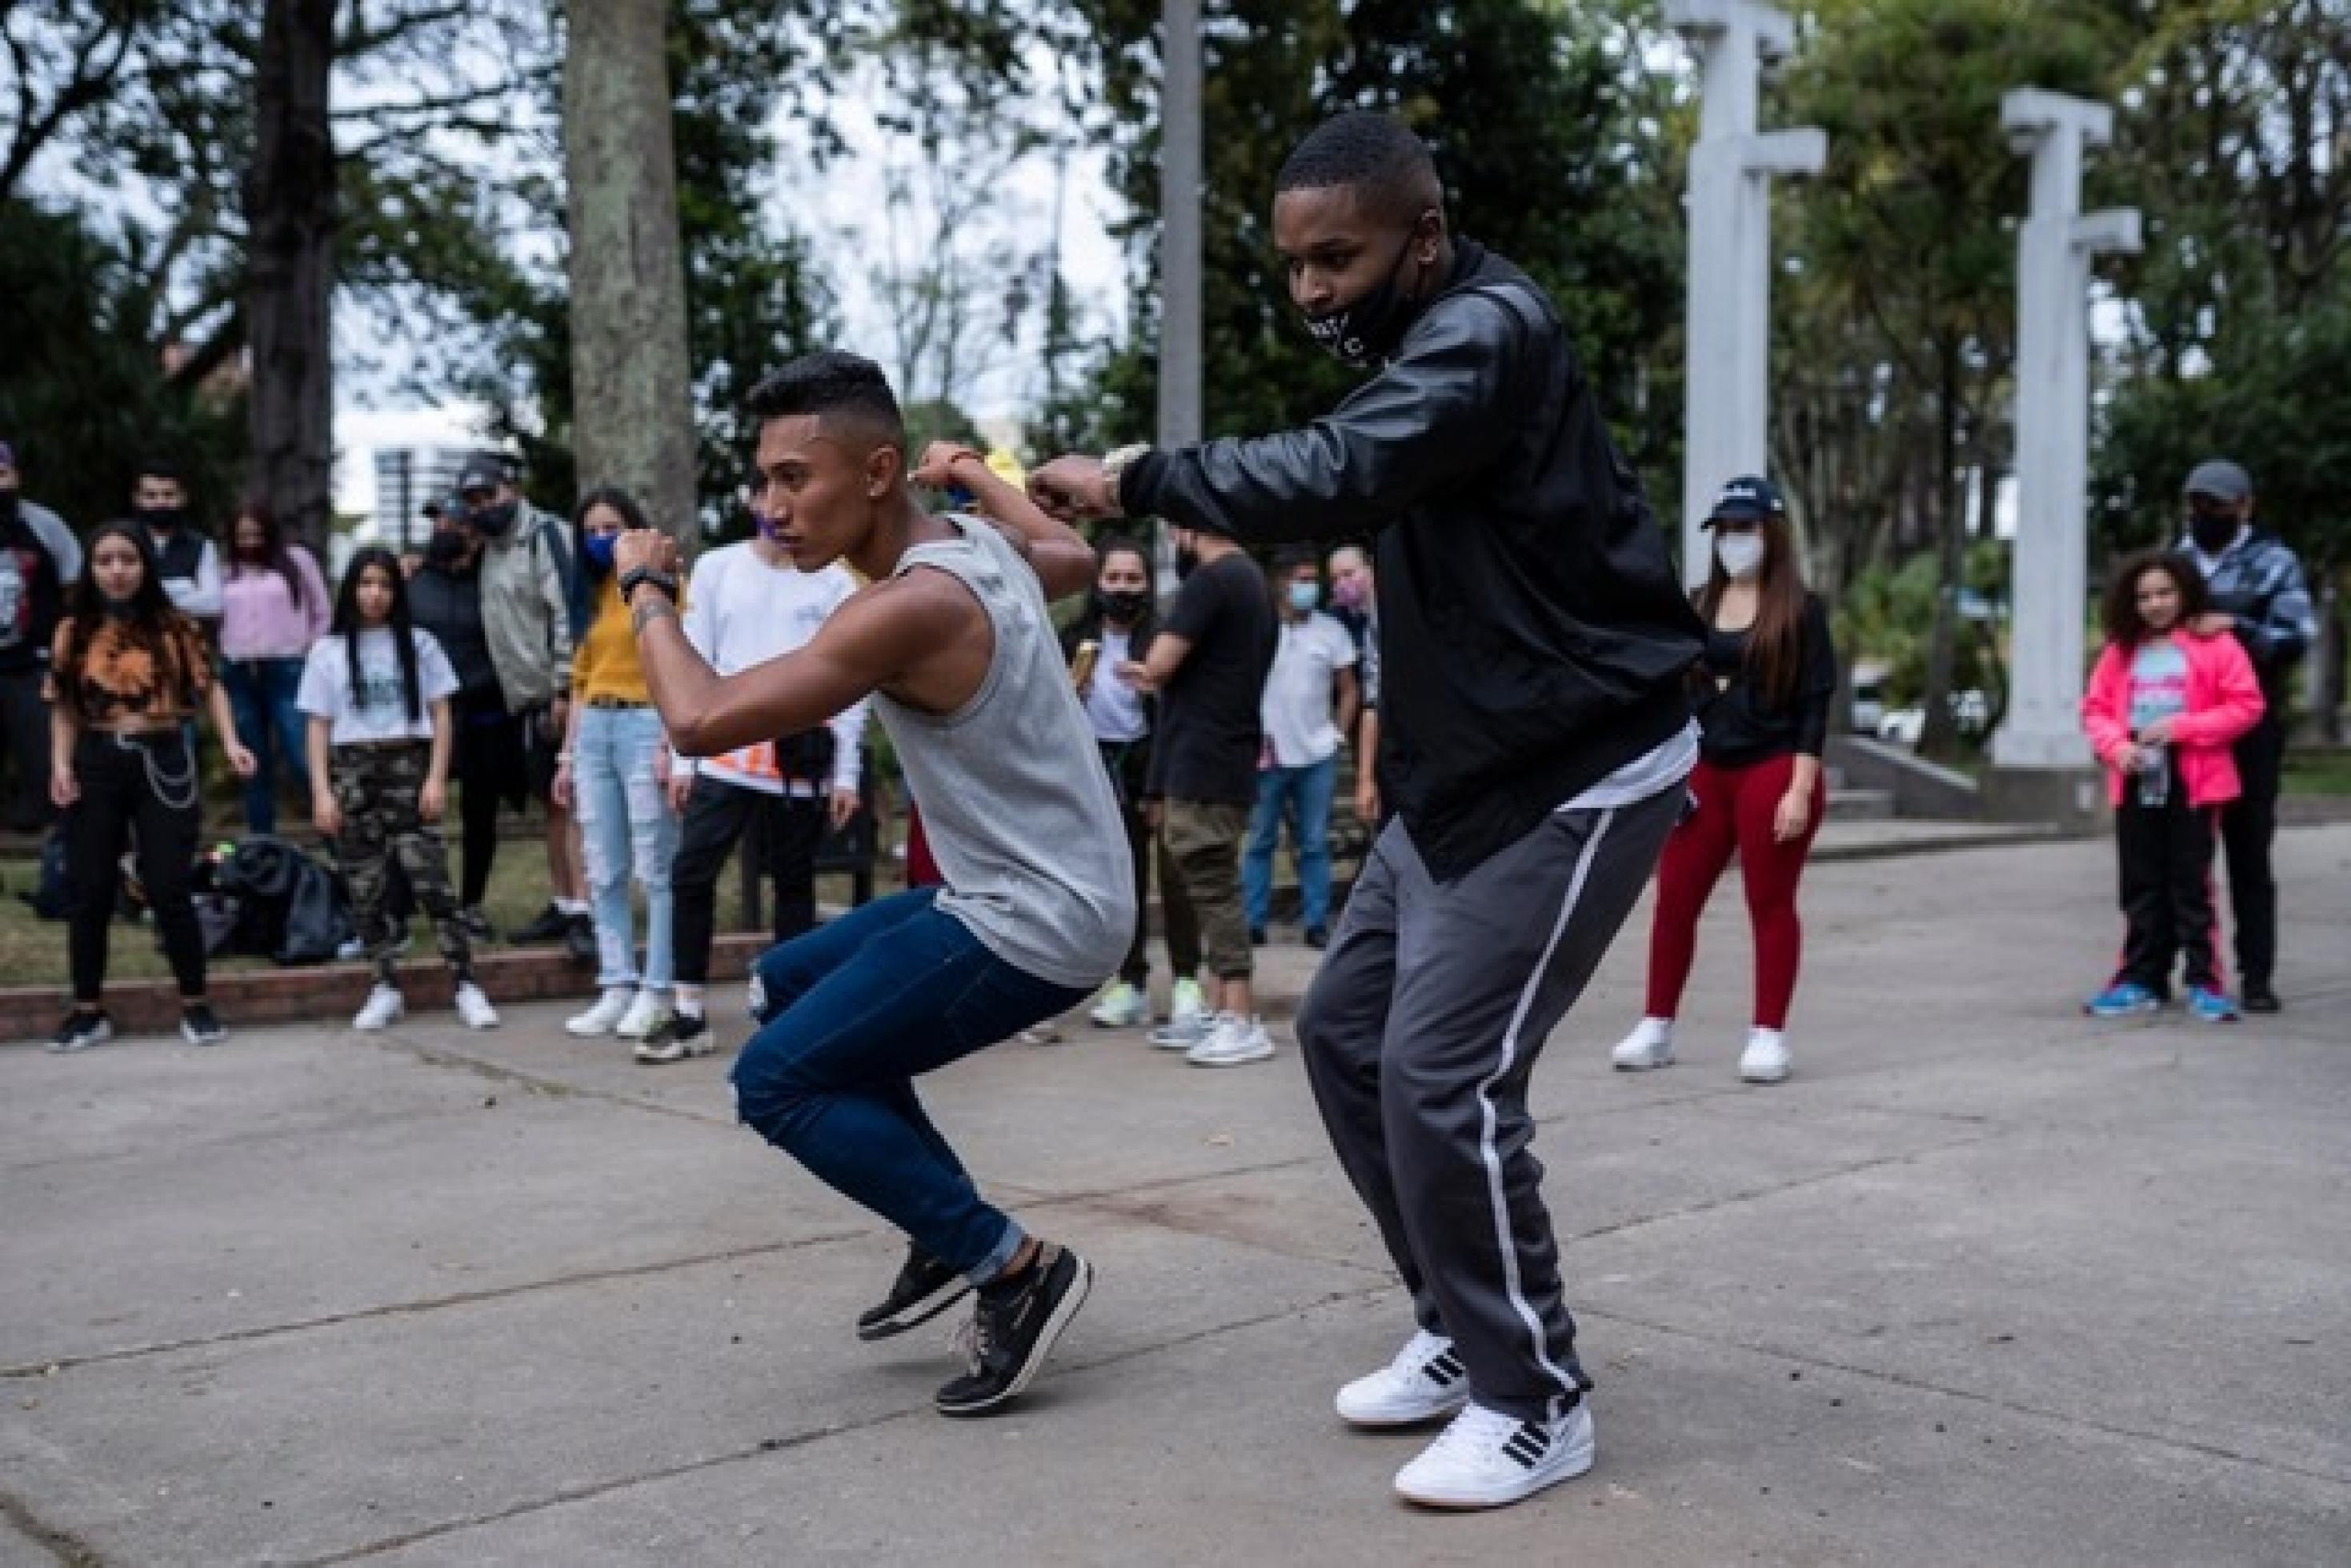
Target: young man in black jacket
[1534,640]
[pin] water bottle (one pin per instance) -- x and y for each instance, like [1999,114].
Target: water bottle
[2154,776]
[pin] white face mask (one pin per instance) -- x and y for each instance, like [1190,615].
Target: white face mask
[1742,554]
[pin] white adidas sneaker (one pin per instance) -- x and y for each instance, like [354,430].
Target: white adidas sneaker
[1488,1459]
[1651,1045]
[1424,1381]
[1766,1058]
[648,1012]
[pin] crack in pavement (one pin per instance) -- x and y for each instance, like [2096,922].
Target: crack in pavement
[28,1369]
[1971,1396]
[61,1543]
[768,1445]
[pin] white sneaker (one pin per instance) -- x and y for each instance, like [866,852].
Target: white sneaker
[606,1015]
[1485,1459]
[1122,1006]
[384,1008]
[1651,1045]
[1234,1041]
[1188,1019]
[474,1009]
[648,1012]
[1424,1381]
[1040,1034]
[1766,1059]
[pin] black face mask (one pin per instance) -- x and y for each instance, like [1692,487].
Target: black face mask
[159,519]
[2213,531]
[445,548]
[493,521]
[1126,606]
[8,505]
[1369,330]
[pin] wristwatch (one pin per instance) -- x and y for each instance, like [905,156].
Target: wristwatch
[1115,463]
[636,577]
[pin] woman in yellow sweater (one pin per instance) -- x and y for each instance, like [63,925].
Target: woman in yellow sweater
[613,771]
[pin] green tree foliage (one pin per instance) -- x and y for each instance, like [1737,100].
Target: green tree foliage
[1909,231]
[1552,133]
[84,398]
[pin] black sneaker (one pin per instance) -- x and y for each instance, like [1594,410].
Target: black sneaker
[2260,997]
[478,929]
[677,1038]
[923,1289]
[1012,1330]
[83,1028]
[198,1026]
[550,925]
[579,939]
[1318,937]
[1257,936]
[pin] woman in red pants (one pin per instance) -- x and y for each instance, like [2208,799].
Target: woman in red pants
[1769,677]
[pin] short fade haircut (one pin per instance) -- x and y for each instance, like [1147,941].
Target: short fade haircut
[1290,558]
[159,468]
[833,386]
[1374,155]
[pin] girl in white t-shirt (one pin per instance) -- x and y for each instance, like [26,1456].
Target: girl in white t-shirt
[377,693]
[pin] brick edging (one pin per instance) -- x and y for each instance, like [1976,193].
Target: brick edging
[332,993]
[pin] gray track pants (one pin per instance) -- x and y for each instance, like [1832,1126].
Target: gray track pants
[1419,1035]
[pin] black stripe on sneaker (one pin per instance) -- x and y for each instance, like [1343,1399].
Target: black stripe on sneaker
[1445,1368]
[1528,1445]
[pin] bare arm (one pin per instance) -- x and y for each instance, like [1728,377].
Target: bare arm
[1350,698]
[65,731]
[223,718]
[1063,561]
[866,643]
[1158,666]
[325,815]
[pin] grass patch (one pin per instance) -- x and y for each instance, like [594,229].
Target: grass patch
[2321,772]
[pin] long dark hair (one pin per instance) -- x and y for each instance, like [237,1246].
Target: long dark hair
[349,624]
[631,516]
[2125,626]
[1775,643]
[277,556]
[151,624]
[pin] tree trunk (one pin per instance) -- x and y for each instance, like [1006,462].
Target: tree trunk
[632,403]
[1938,736]
[291,215]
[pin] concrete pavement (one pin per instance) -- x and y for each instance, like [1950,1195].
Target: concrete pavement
[1987,1283]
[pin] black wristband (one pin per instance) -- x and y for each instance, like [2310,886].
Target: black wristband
[636,577]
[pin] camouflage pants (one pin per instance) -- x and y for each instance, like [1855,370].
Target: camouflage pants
[377,788]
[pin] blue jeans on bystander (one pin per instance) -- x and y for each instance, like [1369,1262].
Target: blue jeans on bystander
[261,693]
[1303,795]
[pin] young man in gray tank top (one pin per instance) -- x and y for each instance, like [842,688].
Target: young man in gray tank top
[951,639]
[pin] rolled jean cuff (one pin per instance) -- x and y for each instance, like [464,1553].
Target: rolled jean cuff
[999,1256]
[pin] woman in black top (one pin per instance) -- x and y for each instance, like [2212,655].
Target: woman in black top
[1767,679]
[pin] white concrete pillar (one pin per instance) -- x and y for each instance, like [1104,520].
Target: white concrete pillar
[2049,571]
[1726,431]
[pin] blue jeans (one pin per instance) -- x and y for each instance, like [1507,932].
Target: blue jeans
[850,1014]
[624,823]
[1304,796]
[261,697]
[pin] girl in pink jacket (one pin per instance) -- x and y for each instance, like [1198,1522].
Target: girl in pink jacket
[2164,705]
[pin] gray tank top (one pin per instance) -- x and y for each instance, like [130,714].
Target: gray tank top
[1015,801]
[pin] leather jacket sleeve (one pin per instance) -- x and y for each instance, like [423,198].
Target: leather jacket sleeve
[1436,414]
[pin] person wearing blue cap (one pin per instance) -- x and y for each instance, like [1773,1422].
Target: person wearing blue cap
[2258,592]
[1763,696]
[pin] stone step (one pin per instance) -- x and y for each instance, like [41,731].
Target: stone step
[1861,804]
